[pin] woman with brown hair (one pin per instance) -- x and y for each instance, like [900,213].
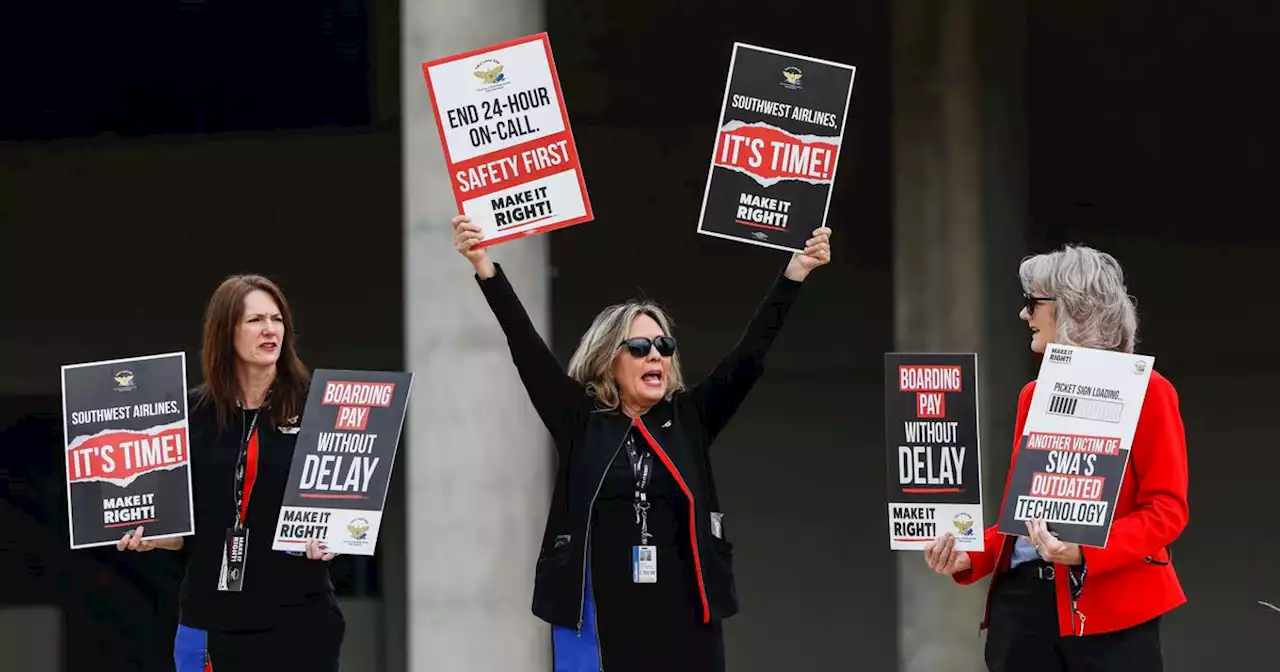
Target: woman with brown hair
[244,606]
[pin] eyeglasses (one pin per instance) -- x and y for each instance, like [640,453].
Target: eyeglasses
[639,346]
[1030,302]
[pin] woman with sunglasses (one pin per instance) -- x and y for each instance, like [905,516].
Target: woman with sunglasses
[635,569]
[1053,605]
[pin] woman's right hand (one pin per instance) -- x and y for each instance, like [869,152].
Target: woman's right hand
[943,558]
[465,236]
[133,541]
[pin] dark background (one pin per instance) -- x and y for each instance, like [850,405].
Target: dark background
[152,148]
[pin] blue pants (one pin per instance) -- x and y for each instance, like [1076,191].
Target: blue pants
[191,650]
[574,653]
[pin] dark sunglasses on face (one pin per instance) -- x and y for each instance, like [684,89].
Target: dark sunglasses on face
[639,346]
[1030,302]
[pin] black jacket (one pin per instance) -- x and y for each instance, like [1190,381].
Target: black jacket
[587,440]
[273,580]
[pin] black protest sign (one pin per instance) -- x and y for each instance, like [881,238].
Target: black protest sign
[1069,481]
[128,459]
[778,142]
[343,459]
[933,452]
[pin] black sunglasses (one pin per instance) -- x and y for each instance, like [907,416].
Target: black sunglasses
[639,346]
[1030,302]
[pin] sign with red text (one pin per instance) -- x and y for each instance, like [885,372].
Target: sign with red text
[127,448]
[342,461]
[507,142]
[933,449]
[1074,449]
[774,161]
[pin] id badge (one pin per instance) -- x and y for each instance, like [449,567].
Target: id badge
[644,564]
[234,553]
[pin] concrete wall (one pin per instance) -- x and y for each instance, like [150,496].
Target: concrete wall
[480,460]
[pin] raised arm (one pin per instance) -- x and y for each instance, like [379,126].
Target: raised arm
[559,400]
[718,396]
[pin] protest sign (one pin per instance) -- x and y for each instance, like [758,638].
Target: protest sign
[506,138]
[781,125]
[342,461]
[127,449]
[933,449]
[1075,445]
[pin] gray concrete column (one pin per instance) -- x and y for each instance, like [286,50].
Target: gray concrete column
[478,459]
[959,213]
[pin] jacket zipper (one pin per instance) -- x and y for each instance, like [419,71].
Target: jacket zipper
[586,538]
[595,627]
[693,517]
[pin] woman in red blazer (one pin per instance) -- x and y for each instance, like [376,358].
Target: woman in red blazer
[1053,606]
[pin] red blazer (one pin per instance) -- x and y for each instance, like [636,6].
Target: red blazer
[1131,580]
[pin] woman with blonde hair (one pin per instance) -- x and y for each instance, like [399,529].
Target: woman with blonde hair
[1054,606]
[635,570]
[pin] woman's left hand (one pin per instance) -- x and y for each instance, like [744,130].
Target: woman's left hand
[1050,547]
[315,551]
[817,252]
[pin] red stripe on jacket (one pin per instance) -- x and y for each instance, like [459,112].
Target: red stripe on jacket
[250,473]
[693,517]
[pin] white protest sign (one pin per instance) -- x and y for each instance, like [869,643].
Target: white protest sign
[504,128]
[1075,446]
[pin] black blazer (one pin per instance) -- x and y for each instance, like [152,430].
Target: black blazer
[587,440]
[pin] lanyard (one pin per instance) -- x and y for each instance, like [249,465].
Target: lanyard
[246,469]
[641,471]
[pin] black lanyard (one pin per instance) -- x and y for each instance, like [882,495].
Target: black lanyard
[242,461]
[641,467]
[641,473]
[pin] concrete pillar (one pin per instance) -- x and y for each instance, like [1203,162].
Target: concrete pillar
[478,460]
[959,213]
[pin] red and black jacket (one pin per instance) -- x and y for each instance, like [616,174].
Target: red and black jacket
[587,440]
[1132,580]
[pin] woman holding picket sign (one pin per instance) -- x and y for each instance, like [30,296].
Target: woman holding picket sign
[274,608]
[635,571]
[1054,606]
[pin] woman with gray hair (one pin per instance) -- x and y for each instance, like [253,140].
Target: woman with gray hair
[1053,606]
[635,570]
